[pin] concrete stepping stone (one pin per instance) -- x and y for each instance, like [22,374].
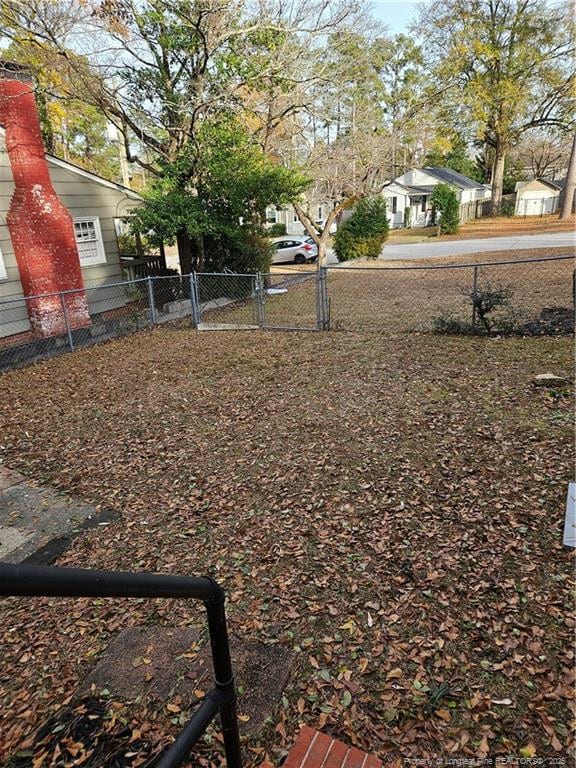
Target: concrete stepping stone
[36,523]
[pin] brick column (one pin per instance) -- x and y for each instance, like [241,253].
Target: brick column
[40,226]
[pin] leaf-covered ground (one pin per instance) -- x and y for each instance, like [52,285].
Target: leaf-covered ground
[390,508]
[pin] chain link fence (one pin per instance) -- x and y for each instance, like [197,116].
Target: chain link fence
[279,301]
[527,297]
[36,327]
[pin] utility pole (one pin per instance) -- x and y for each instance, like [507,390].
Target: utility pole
[114,136]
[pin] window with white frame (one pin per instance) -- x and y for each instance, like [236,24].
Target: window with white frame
[3,273]
[89,241]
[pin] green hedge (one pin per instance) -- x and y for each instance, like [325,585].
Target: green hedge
[364,233]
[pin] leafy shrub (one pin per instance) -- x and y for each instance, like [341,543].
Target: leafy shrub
[491,313]
[507,208]
[451,325]
[240,250]
[276,230]
[127,244]
[364,233]
[445,200]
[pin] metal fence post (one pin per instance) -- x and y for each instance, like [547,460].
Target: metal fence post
[259,296]
[319,314]
[474,294]
[150,285]
[194,302]
[65,315]
[324,303]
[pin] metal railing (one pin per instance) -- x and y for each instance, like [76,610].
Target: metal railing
[48,581]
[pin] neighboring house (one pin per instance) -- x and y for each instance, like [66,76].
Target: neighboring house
[409,196]
[538,196]
[57,225]
[287,215]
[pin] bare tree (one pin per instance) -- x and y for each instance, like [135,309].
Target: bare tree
[544,153]
[350,168]
[158,68]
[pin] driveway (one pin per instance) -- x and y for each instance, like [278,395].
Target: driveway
[457,247]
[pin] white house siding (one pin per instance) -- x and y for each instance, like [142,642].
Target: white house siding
[287,216]
[396,220]
[418,217]
[417,177]
[468,199]
[84,197]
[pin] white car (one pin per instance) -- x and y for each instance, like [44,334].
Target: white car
[294,249]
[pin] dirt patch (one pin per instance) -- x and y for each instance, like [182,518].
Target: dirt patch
[37,524]
[168,664]
[553,321]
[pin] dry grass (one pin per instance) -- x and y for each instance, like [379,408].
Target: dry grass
[389,509]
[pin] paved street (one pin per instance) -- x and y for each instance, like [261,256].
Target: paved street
[457,247]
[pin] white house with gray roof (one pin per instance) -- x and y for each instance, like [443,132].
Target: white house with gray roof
[409,195]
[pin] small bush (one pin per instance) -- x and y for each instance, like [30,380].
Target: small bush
[454,326]
[491,313]
[507,208]
[276,230]
[128,246]
[242,251]
[364,233]
[445,200]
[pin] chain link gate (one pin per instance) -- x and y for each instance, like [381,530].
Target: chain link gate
[273,301]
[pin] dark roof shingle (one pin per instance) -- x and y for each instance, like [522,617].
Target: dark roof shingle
[449,176]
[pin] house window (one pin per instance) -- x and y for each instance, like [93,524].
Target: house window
[295,217]
[3,273]
[271,216]
[423,209]
[89,241]
[394,205]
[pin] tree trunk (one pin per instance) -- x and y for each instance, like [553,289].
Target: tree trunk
[497,179]
[201,253]
[322,256]
[320,238]
[567,196]
[184,252]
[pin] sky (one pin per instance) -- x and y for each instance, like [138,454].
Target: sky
[397,14]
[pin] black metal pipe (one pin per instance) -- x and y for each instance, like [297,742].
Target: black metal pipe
[201,719]
[224,677]
[49,581]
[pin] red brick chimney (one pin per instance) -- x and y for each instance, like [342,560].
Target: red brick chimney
[40,226]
